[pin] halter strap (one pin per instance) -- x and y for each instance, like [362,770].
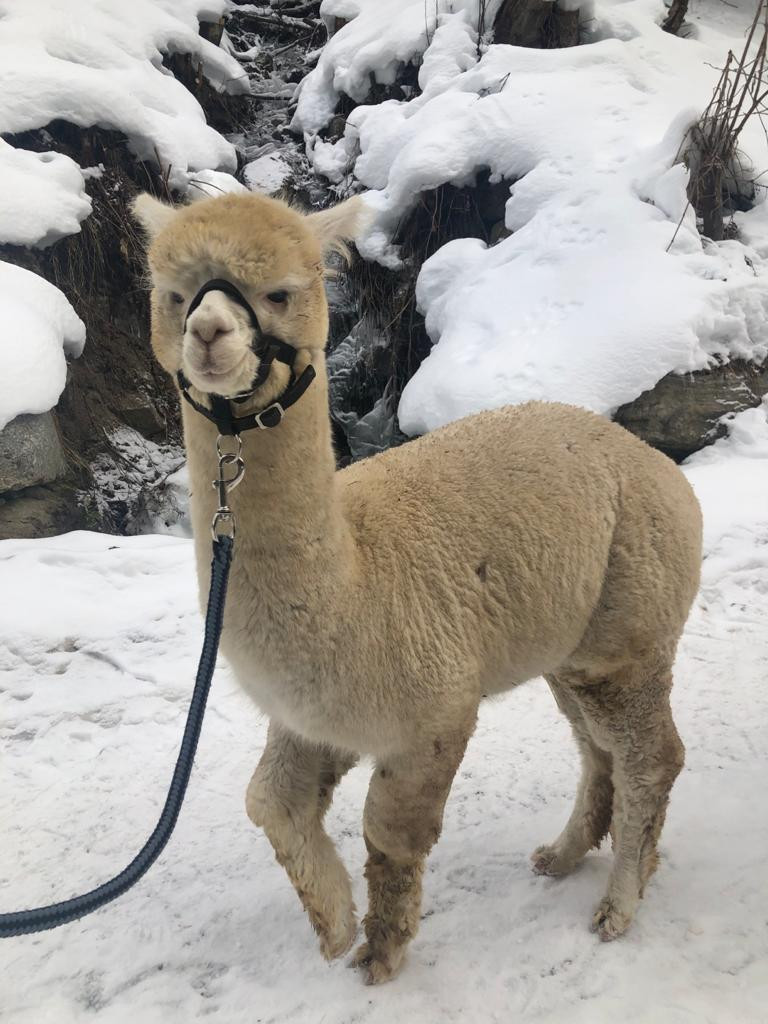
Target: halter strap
[269,349]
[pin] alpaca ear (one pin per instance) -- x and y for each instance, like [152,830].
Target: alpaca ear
[340,224]
[152,214]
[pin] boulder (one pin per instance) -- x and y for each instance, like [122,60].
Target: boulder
[30,453]
[682,413]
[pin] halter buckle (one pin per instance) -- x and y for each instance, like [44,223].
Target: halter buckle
[258,419]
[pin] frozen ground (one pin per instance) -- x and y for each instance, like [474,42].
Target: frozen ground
[97,652]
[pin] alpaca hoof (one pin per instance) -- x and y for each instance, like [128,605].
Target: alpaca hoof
[609,921]
[545,860]
[337,940]
[376,969]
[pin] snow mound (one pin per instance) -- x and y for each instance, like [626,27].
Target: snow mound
[99,62]
[42,196]
[588,301]
[39,328]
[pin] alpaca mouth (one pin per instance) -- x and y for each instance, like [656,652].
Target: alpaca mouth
[213,372]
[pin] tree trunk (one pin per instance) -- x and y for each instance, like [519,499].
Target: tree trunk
[709,202]
[540,24]
[675,16]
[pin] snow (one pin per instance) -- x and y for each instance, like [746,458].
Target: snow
[99,62]
[42,196]
[206,184]
[98,651]
[587,301]
[39,330]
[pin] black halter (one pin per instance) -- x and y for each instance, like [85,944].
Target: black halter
[268,348]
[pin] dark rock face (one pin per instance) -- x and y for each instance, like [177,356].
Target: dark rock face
[681,414]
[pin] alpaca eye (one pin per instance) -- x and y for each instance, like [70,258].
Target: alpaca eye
[178,299]
[278,297]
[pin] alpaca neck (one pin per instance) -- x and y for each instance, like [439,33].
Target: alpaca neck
[289,523]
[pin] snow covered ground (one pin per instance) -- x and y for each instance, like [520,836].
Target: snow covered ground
[97,652]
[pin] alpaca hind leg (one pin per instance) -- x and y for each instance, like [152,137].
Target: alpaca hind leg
[629,715]
[288,796]
[403,819]
[590,819]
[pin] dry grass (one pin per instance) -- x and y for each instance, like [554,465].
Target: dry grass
[710,148]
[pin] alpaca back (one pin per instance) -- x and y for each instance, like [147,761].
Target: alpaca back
[506,533]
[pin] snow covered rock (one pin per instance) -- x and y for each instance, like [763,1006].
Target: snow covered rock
[42,196]
[588,301]
[39,329]
[267,173]
[100,62]
[87,75]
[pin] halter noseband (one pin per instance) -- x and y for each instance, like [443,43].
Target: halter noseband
[269,349]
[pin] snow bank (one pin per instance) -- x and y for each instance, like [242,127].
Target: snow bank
[587,301]
[377,41]
[99,62]
[39,327]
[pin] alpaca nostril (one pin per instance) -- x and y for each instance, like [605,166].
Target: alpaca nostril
[209,334]
[208,331]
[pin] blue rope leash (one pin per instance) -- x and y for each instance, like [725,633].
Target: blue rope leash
[23,922]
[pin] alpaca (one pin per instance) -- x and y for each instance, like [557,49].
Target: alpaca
[371,609]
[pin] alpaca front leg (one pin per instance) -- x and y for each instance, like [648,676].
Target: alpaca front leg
[288,796]
[403,819]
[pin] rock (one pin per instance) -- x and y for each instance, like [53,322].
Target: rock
[143,418]
[267,174]
[42,512]
[336,128]
[30,453]
[681,414]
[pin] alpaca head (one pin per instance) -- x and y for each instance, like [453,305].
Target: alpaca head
[271,252]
